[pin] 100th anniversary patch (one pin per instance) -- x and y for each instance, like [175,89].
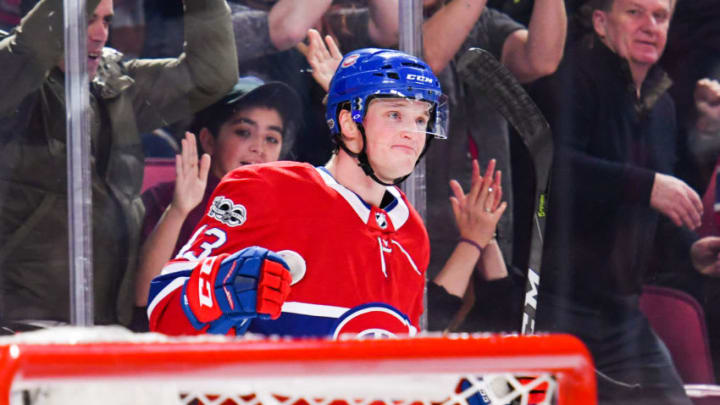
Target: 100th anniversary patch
[228,212]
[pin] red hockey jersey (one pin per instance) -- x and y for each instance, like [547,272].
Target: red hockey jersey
[365,266]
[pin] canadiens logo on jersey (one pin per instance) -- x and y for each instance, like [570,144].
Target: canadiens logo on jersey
[373,321]
[381,220]
[226,211]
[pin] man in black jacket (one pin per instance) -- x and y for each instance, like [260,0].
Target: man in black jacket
[612,187]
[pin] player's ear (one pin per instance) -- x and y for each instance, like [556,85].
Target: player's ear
[349,131]
[599,20]
[207,141]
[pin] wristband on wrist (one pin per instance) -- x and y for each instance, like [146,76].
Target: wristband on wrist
[472,242]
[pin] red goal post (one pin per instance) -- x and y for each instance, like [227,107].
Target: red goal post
[561,360]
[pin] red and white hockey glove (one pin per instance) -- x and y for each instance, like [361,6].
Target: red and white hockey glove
[228,291]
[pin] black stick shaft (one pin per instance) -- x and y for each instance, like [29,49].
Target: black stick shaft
[481,71]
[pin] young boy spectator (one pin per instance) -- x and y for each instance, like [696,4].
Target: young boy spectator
[255,122]
[359,250]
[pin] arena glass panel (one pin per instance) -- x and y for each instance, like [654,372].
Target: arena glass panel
[155,30]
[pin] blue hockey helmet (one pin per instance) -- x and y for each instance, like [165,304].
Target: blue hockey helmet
[371,72]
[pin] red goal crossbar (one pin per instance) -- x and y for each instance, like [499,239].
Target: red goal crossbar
[562,356]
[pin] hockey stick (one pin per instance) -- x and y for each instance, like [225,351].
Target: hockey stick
[482,72]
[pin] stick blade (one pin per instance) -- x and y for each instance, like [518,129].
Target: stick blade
[480,70]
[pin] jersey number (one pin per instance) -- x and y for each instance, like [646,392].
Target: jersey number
[214,238]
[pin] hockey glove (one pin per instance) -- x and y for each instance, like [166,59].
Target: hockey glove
[227,291]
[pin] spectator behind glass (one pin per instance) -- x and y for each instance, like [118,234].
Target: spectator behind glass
[126,98]
[255,122]
[353,24]
[126,33]
[266,32]
[268,27]
[451,27]
[614,202]
[693,53]
[521,10]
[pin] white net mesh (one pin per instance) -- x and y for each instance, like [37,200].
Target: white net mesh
[348,390]
[87,367]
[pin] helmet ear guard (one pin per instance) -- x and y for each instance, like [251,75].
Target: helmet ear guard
[369,73]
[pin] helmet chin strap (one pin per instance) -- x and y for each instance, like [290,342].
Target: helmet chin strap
[364,163]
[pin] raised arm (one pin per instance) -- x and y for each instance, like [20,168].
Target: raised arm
[476,214]
[383,26]
[672,196]
[704,135]
[190,185]
[537,51]
[167,90]
[33,49]
[323,57]
[446,30]
[289,20]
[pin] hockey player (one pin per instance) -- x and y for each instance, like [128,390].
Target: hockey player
[357,250]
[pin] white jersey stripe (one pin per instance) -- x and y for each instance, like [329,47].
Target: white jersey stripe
[178,266]
[400,213]
[302,308]
[167,290]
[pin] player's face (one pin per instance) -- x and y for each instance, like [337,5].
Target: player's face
[251,135]
[97,35]
[396,131]
[635,29]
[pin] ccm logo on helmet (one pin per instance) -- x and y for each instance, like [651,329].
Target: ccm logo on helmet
[373,321]
[419,78]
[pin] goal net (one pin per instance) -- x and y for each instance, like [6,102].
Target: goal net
[110,366]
